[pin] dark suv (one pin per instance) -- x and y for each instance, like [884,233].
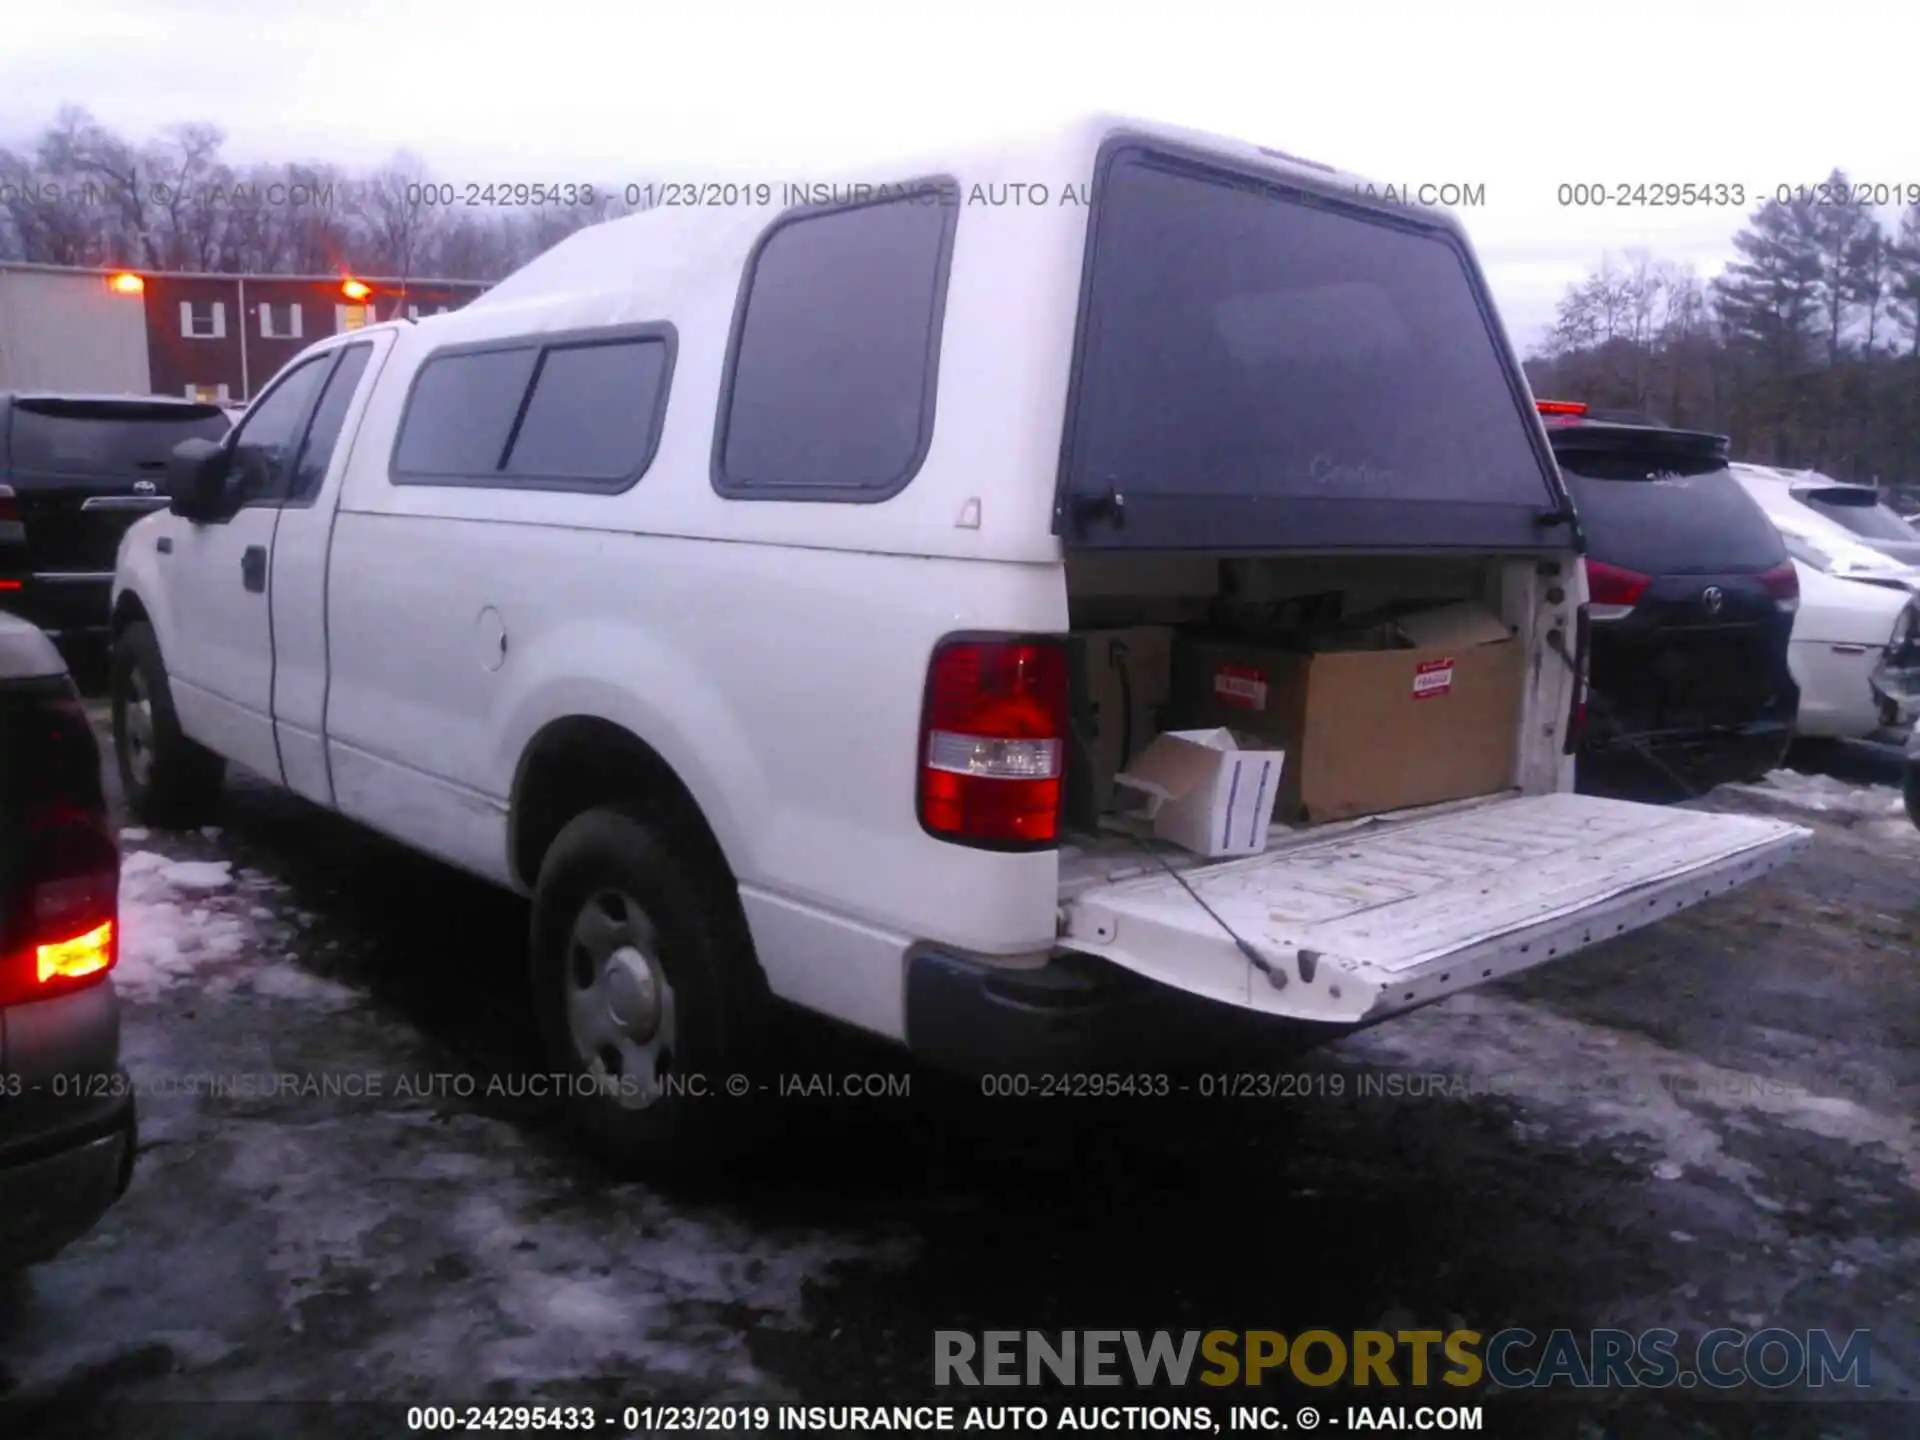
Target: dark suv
[1691,605]
[75,472]
[66,1112]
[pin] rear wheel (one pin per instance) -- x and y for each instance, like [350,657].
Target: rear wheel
[168,779]
[643,983]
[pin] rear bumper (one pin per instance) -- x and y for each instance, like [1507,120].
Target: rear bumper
[1702,759]
[69,605]
[62,1166]
[1073,1014]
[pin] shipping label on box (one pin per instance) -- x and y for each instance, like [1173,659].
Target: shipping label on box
[1241,686]
[1432,678]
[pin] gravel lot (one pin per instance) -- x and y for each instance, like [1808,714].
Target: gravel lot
[1707,1123]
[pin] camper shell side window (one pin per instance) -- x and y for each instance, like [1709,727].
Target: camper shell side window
[834,359]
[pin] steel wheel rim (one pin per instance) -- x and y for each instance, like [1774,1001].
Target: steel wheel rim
[620,1007]
[137,729]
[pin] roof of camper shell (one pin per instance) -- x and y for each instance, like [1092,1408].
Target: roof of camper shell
[656,247]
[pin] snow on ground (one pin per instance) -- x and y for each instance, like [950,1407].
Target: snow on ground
[194,921]
[302,1212]
[1875,812]
[1611,1085]
[1827,794]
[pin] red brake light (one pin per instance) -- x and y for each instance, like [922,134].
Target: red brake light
[1783,584]
[62,903]
[1560,407]
[75,959]
[992,741]
[1612,585]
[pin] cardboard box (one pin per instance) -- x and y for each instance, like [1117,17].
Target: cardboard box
[1206,793]
[1367,731]
[1121,681]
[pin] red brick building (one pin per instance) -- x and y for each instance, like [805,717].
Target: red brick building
[213,337]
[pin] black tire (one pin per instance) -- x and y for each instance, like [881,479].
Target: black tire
[715,1004]
[168,780]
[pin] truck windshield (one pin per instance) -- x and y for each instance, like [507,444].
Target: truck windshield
[55,437]
[1260,367]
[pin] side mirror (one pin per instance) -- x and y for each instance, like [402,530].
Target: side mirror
[197,478]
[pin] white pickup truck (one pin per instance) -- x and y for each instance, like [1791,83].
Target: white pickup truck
[710,581]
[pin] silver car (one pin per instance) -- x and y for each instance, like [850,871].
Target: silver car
[67,1136]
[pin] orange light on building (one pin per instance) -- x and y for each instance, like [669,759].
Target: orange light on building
[355,289]
[127,283]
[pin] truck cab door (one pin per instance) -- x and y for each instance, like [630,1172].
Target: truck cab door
[298,601]
[219,654]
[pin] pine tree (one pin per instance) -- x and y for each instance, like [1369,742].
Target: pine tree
[1844,234]
[1769,299]
[1903,280]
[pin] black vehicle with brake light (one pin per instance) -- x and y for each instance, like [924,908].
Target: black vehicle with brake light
[1691,598]
[66,1112]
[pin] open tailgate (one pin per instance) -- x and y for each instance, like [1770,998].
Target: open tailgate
[1395,912]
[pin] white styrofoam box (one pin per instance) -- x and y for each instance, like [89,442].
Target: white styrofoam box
[1205,793]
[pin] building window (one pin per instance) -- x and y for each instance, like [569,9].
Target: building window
[414,312]
[208,394]
[203,319]
[280,322]
[352,317]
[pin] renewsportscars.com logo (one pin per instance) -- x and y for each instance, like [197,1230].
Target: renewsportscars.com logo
[1514,1358]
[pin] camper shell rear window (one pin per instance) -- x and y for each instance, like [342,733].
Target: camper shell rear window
[1265,366]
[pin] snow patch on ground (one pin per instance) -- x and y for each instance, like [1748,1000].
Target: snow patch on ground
[187,921]
[1827,795]
[283,982]
[167,933]
[1608,1084]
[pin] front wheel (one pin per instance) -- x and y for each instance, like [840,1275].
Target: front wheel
[168,780]
[642,980]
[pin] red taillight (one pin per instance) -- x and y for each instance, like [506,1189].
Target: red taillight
[992,741]
[9,504]
[1611,585]
[1783,584]
[65,937]
[60,898]
[91,953]
[10,584]
[1560,407]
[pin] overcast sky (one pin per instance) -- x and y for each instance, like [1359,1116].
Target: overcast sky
[1518,98]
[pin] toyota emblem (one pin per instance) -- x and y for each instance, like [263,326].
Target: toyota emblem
[144,487]
[1713,597]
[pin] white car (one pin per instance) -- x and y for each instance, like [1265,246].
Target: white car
[1856,509]
[648,585]
[1856,607]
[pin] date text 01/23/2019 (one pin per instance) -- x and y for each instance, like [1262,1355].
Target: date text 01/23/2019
[1717,194]
[1210,1085]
